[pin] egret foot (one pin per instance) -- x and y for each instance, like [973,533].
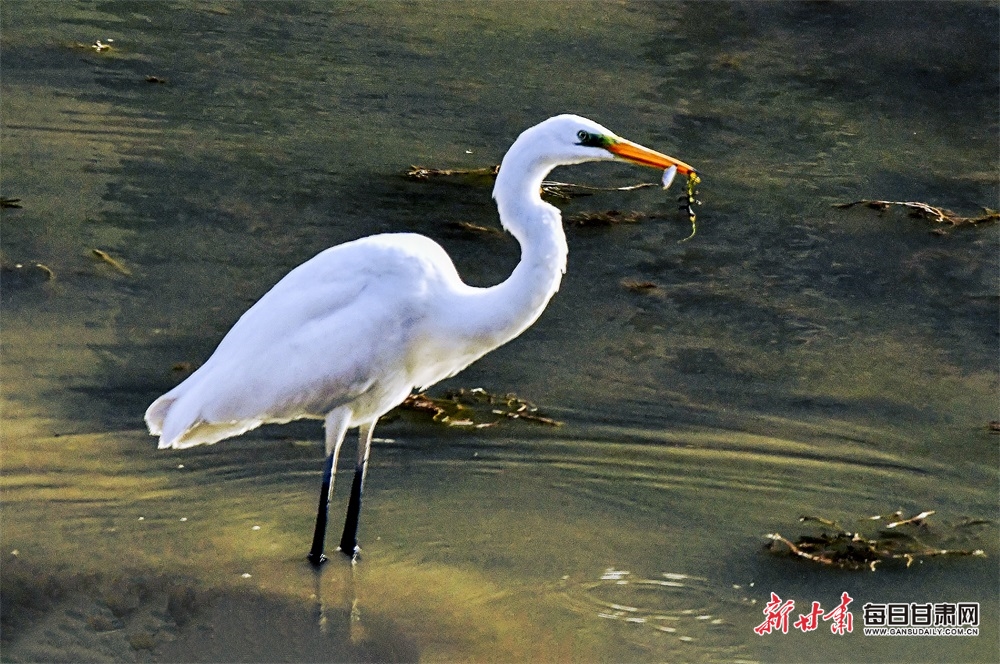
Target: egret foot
[352,552]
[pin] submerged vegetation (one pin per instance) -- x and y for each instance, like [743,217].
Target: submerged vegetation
[900,538]
[688,201]
[475,408]
[423,173]
[605,218]
[929,212]
[563,190]
[638,286]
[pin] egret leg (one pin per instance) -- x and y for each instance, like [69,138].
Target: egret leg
[349,540]
[336,427]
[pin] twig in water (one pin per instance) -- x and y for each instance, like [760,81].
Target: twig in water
[113,262]
[925,211]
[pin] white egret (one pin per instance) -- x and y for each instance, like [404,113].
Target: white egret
[348,335]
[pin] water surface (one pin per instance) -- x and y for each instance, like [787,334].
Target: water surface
[792,358]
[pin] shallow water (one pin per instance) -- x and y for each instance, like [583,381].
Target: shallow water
[792,359]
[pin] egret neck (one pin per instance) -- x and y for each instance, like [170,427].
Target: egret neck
[504,311]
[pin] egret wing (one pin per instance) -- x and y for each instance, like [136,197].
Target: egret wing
[335,330]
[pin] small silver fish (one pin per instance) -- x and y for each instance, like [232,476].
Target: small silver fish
[668,176]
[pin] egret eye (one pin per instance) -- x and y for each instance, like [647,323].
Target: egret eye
[590,139]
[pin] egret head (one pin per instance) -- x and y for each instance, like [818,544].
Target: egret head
[571,139]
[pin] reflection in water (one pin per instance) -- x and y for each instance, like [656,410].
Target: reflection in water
[248,626]
[791,358]
[345,595]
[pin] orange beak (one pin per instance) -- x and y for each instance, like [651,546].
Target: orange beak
[644,156]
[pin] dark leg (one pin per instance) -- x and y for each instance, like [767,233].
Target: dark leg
[316,556]
[336,426]
[349,540]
